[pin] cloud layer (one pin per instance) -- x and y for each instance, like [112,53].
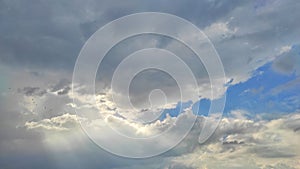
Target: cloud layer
[39,43]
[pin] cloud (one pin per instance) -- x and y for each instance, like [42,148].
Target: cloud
[61,87]
[64,122]
[285,49]
[287,62]
[29,91]
[237,142]
[57,34]
[39,44]
[64,91]
[220,31]
[247,144]
[236,139]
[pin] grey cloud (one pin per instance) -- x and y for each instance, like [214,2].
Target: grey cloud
[61,84]
[31,91]
[62,87]
[51,33]
[53,105]
[253,44]
[64,91]
[242,49]
[47,35]
[46,100]
[292,122]
[272,152]
[16,141]
[288,62]
[284,65]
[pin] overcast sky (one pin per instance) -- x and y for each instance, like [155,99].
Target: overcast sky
[257,42]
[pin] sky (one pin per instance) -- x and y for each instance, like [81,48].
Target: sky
[49,121]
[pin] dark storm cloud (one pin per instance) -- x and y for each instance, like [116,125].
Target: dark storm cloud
[51,33]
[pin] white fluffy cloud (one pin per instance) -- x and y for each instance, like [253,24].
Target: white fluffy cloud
[64,122]
[237,142]
[249,144]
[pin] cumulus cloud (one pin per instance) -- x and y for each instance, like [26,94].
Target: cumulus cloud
[236,139]
[246,144]
[237,142]
[64,122]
